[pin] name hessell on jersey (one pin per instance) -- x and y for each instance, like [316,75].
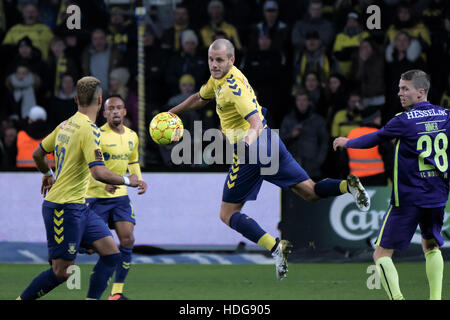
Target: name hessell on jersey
[425,113]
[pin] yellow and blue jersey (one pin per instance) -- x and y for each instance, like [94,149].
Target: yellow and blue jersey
[235,103]
[76,146]
[121,152]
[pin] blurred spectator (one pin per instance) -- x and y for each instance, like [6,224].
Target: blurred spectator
[99,58]
[439,57]
[187,88]
[272,27]
[21,87]
[445,98]
[59,64]
[305,135]
[347,43]
[312,59]
[216,14]
[27,54]
[121,31]
[316,93]
[369,164]
[335,95]
[8,144]
[8,148]
[401,56]
[9,16]
[408,20]
[39,34]
[263,66]
[370,74]
[30,137]
[48,12]
[189,60]
[433,15]
[118,80]
[346,120]
[62,106]
[171,38]
[313,22]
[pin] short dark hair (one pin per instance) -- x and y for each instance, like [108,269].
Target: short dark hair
[420,79]
[115,96]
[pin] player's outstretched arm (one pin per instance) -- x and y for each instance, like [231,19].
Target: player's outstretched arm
[194,102]
[103,174]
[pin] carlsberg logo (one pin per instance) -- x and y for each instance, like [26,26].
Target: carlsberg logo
[351,224]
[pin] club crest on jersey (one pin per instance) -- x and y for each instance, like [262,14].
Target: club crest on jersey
[98,154]
[72,249]
[130,145]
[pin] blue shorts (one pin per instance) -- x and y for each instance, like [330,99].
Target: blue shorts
[245,177]
[68,225]
[400,224]
[112,210]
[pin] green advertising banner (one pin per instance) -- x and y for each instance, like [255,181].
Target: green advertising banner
[337,222]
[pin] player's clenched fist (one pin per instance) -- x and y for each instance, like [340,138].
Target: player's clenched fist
[340,142]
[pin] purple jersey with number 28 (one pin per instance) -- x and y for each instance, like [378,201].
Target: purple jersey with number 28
[421,165]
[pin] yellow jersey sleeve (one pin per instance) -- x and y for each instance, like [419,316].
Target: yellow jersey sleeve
[90,146]
[207,90]
[49,142]
[133,165]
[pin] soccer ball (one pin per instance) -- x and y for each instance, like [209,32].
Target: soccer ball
[166,128]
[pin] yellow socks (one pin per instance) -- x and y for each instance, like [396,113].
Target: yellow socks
[389,278]
[435,270]
[267,241]
[117,288]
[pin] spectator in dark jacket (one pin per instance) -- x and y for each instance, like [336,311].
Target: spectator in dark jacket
[264,69]
[189,60]
[305,135]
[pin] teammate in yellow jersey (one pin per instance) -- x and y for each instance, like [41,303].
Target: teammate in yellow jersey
[243,123]
[120,149]
[68,220]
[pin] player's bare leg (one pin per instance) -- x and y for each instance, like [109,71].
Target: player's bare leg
[60,266]
[305,190]
[388,272]
[227,209]
[434,267]
[105,267]
[124,230]
[230,214]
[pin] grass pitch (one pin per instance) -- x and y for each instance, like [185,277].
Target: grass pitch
[235,282]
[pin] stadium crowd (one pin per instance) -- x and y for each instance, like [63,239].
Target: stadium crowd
[316,68]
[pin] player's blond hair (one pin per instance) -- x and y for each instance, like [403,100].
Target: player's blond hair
[88,89]
[223,43]
[419,79]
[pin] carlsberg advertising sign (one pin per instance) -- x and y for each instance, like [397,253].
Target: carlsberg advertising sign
[338,222]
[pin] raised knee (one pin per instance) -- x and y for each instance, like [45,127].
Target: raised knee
[225,218]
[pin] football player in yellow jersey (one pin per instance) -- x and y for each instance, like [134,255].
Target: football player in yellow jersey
[68,220]
[120,149]
[243,124]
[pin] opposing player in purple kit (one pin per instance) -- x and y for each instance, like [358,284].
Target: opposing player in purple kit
[243,123]
[420,181]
